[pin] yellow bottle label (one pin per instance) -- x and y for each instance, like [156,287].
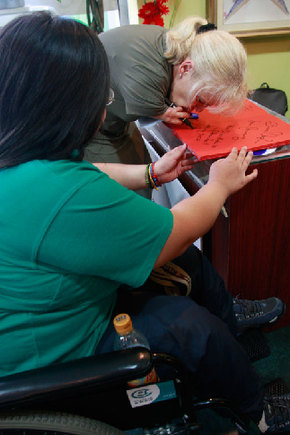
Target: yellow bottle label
[148,379]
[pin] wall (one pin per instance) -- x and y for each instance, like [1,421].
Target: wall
[269,61]
[268,57]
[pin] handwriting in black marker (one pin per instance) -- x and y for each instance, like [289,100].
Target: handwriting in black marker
[268,133]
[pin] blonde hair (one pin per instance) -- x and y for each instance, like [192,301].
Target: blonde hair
[180,38]
[220,63]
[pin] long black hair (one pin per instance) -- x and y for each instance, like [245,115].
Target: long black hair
[54,79]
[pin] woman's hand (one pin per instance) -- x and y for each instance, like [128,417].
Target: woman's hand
[230,173]
[173,115]
[173,164]
[169,167]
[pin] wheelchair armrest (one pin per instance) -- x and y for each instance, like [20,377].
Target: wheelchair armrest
[98,372]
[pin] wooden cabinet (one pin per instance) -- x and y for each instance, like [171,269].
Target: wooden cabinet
[251,247]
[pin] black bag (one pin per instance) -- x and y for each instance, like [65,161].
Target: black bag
[274,99]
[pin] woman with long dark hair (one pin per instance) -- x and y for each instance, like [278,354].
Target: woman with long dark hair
[72,233]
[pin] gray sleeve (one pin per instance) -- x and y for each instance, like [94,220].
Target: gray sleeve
[140,74]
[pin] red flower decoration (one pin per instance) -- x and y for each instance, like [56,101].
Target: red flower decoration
[152,12]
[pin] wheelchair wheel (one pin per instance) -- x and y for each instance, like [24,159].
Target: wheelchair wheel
[52,423]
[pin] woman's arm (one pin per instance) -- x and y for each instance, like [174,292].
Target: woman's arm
[169,167]
[194,216]
[130,176]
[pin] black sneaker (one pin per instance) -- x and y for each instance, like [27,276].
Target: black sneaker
[277,414]
[253,314]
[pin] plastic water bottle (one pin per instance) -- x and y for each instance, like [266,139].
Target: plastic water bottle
[127,337]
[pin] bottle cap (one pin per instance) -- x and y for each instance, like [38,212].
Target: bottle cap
[123,323]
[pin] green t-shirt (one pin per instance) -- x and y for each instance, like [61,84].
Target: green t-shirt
[69,237]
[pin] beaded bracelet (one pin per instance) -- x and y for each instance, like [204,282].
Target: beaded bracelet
[151,178]
[153,184]
[154,176]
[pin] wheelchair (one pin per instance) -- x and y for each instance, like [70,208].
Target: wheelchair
[91,396]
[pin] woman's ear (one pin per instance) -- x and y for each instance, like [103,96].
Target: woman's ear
[185,67]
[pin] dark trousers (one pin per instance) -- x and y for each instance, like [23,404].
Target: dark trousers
[198,329]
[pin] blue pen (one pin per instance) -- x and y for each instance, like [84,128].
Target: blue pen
[194,116]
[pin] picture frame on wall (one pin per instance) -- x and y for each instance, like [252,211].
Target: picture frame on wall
[250,17]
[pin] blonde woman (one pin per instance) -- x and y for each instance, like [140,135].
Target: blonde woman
[193,65]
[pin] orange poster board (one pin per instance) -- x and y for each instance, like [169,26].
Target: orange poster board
[214,135]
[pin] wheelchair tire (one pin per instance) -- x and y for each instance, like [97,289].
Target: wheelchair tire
[56,423]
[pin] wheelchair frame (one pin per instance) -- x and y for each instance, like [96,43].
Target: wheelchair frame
[91,396]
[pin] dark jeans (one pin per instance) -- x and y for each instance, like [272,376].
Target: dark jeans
[198,329]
